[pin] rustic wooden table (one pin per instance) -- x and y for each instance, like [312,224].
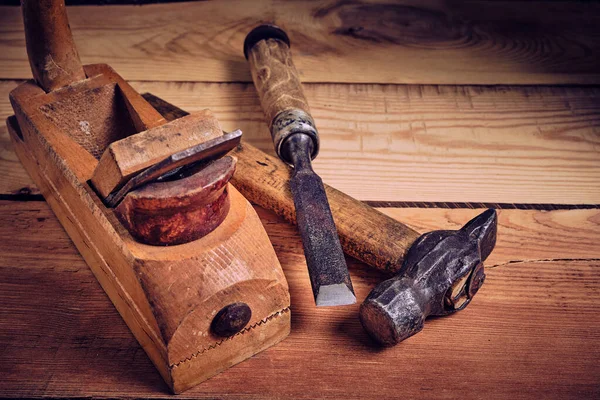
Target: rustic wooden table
[429,154]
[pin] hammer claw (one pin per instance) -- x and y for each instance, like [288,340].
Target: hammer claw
[483,228]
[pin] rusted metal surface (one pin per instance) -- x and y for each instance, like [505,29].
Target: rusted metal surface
[441,273]
[179,211]
[329,276]
[202,152]
[231,319]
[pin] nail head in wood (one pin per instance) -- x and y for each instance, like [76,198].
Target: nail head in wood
[231,319]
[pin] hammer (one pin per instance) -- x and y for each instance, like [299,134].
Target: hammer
[437,273]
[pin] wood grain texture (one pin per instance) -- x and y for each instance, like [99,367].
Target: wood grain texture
[52,54]
[417,143]
[531,332]
[176,212]
[276,78]
[385,41]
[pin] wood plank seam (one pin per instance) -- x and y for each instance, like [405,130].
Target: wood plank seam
[220,342]
[22,197]
[543,260]
[27,196]
[474,205]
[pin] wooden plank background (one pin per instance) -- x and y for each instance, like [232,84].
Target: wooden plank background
[379,41]
[533,331]
[417,143]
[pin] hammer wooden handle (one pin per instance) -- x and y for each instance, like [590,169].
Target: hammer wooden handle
[52,54]
[365,233]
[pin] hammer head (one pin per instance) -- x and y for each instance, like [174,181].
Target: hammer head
[440,275]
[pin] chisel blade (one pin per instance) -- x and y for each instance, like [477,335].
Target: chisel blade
[327,267]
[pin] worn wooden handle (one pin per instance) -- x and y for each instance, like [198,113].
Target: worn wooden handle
[276,79]
[52,54]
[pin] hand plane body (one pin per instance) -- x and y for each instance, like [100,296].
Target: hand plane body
[181,297]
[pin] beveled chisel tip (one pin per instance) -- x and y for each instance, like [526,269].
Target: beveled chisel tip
[335,295]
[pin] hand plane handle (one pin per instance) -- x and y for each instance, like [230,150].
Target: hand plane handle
[276,79]
[52,54]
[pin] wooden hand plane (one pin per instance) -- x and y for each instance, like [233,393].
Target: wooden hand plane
[180,252]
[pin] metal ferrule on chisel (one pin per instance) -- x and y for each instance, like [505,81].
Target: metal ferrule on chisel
[289,122]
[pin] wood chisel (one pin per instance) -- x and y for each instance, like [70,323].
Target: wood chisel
[267,49]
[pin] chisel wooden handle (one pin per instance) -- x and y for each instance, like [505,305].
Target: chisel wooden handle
[276,79]
[52,54]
